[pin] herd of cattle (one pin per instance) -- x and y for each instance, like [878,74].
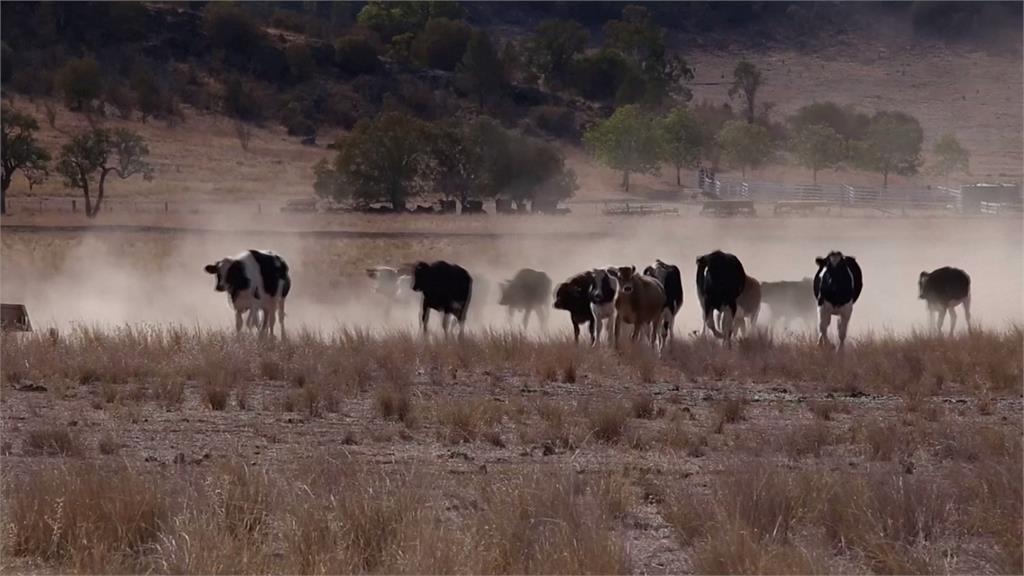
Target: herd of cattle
[257,283]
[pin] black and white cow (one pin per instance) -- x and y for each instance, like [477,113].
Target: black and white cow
[530,291]
[672,282]
[837,286]
[944,289]
[602,300]
[574,296]
[447,288]
[720,281]
[256,281]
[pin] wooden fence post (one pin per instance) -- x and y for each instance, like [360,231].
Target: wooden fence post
[74,205]
[165,206]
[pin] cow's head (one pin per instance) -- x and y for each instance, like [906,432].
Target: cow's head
[626,278]
[922,280]
[420,275]
[606,283]
[831,261]
[220,270]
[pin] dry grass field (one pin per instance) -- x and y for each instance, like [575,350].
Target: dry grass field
[139,434]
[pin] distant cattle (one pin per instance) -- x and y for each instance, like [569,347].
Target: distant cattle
[788,300]
[602,300]
[944,289]
[391,285]
[421,209]
[720,282]
[504,206]
[446,288]
[448,207]
[255,281]
[748,306]
[837,286]
[574,297]
[530,291]
[672,282]
[640,302]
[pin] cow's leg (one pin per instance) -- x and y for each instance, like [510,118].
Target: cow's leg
[542,314]
[728,316]
[280,314]
[598,326]
[238,320]
[967,312]
[636,330]
[952,320]
[941,320]
[576,332]
[824,319]
[844,323]
[709,323]
[618,328]
[269,317]
[592,340]
[424,317]
[526,319]
[445,317]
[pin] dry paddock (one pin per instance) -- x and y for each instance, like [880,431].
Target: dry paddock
[138,435]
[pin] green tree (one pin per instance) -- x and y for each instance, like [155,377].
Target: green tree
[232,30]
[849,124]
[891,145]
[746,79]
[711,118]
[356,55]
[390,19]
[817,147]
[482,69]
[655,75]
[553,47]
[626,141]
[20,151]
[442,43]
[149,96]
[92,156]
[950,156]
[80,81]
[457,164]
[681,140]
[385,159]
[744,145]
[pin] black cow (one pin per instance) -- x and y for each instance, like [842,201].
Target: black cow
[446,288]
[255,281]
[672,282]
[530,291]
[837,286]
[573,296]
[720,281]
[944,289]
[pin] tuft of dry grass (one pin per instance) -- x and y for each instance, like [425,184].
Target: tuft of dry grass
[642,406]
[607,421]
[809,439]
[731,549]
[394,403]
[468,420]
[823,409]
[216,397]
[85,517]
[108,444]
[728,410]
[51,441]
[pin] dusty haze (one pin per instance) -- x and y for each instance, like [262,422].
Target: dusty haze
[105,277]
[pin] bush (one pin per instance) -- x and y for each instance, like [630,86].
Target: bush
[442,44]
[356,55]
[300,61]
[79,80]
[240,102]
[558,122]
[599,76]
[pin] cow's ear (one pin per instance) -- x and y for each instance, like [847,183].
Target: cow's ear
[632,269]
[819,261]
[210,268]
[923,275]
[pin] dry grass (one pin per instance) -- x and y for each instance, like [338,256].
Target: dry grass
[469,420]
[394,403]
[607,421]
[728,410]
[51,442]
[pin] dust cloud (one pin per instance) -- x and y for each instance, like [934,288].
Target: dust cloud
[110,278]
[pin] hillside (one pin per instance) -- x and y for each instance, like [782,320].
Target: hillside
[966,87]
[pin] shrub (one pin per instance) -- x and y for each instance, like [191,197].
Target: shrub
[394,403]
[356,55]
[51,442]
[558,122]
[300,61]
[442,44]
[608,422]
[80,82]
[240,102]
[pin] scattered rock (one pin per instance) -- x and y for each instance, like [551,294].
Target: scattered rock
[548,449]
[179,458]
[30,387]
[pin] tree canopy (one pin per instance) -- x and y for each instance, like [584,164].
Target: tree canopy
[91,156]
[891,145]
[950,156]
[626,141]
[21,151]
[681,140]
[817,147]
[744,145]
[482,69]
[746,80]
[554,46]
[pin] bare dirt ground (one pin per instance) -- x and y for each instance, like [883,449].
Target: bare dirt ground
[357,446]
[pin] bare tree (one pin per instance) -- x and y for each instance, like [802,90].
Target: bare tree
[244,134]
[92,156]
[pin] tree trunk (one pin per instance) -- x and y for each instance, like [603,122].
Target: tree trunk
[99,194]
[625,180]
[743,173]
[750,109]
[814,175]
[679,182]
[3,192]
[885,178]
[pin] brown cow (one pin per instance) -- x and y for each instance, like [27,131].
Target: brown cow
[748,305]
[639,301]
